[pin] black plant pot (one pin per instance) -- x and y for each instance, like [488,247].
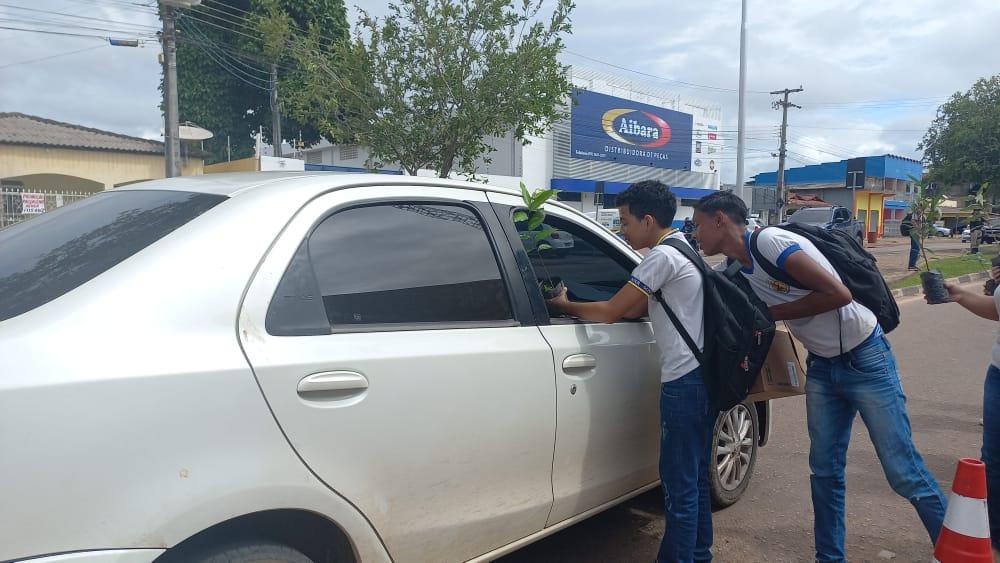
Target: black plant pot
[934,290]
[554,290]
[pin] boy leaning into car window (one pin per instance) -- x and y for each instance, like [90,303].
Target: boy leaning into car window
[686,421]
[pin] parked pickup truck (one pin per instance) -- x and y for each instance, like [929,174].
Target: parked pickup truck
[830,218]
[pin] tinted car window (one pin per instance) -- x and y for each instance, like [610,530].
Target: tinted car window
[393,264]
[816,216]
[588,266]
[48,256]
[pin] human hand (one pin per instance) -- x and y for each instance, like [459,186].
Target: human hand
[955,291]
[560,301]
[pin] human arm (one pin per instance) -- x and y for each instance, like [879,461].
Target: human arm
[980,305]
[828,293]
[630,302]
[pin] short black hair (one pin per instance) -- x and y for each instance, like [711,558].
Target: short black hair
[725,201]
[649,197]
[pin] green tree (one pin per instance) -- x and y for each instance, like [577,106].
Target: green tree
[963,142]
[223,66]
[426,85]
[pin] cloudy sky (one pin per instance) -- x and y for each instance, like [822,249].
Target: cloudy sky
[874,71]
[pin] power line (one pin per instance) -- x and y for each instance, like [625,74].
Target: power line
[10,28]
[664,79]
[39,59]
[75,16]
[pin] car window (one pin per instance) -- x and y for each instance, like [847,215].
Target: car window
[56,252]
[591,269]
[841,215]
[391,264]
[811,216]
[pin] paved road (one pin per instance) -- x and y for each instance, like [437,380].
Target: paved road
[943,353]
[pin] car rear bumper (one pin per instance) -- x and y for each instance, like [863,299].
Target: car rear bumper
[100,556]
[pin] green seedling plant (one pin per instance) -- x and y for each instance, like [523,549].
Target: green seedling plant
[534,238]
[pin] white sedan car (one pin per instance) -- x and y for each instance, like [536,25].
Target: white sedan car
[311,367]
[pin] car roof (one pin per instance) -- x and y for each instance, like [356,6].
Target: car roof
[233,184]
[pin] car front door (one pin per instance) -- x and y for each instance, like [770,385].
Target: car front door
[390,341]
[607,382]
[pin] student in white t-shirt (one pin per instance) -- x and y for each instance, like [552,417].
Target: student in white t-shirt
[851,368]
[988,307]
[647,213]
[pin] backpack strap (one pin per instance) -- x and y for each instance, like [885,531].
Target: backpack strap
[772,269]
[688,252]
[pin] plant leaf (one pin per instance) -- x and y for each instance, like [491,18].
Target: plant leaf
[541,197]
[525,195]
[536,219]
[544,246]
[520,215]
[544,233]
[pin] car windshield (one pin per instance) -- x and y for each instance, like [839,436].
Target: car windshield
[46,257]
[811,216]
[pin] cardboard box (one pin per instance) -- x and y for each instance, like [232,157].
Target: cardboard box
[783,374]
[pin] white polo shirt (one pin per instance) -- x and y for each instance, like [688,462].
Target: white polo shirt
[820,334]
[665,269]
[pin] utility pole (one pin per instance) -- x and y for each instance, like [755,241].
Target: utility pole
[275,112]
[784,105]
[171,128]
[741,123]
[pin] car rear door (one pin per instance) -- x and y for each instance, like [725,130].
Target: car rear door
[399,357]
[607,375]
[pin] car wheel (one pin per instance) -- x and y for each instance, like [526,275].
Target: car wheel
[734,454]
[249,552]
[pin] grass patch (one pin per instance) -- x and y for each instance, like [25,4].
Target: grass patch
[953,266]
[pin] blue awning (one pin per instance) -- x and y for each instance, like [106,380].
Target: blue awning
[590,186]
[896,204]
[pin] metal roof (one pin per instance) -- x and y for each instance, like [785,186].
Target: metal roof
[23,129]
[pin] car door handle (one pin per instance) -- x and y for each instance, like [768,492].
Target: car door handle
[579,362]
[333,384]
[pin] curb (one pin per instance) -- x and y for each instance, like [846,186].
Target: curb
[916,289]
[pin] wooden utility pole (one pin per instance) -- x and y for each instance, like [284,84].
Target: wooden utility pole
[784,105]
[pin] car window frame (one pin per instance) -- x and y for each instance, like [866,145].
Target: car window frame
[528,275]
[517,298]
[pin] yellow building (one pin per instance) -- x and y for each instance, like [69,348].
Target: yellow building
[45,156]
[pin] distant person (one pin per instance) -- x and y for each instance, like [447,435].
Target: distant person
[975,233]
[688,229]
[908,229]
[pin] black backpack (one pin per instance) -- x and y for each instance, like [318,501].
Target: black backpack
[740,326]
[906,227]
[855,265]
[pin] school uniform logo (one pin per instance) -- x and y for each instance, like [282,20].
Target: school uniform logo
[778,286]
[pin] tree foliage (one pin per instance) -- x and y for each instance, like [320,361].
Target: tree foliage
[963,142]
[223,66]
[425,86]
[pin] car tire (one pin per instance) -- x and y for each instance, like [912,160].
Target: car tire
[249,552]
[735,439]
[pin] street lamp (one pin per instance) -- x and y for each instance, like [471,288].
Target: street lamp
[741,123]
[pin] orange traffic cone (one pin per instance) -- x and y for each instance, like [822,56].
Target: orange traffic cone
[965,536]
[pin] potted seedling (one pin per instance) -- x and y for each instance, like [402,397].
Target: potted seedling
[534,236]
[926,210]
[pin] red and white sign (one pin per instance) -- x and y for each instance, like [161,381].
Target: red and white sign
[32,204]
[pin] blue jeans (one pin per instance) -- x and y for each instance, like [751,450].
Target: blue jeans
[991,449]
[864,380]
[686,425]
[914,252]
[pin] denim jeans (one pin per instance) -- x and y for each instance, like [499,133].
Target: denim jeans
[914,251]
[686,425]
[991,449]
[863,380]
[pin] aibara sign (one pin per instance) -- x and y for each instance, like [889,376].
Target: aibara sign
[613,129]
